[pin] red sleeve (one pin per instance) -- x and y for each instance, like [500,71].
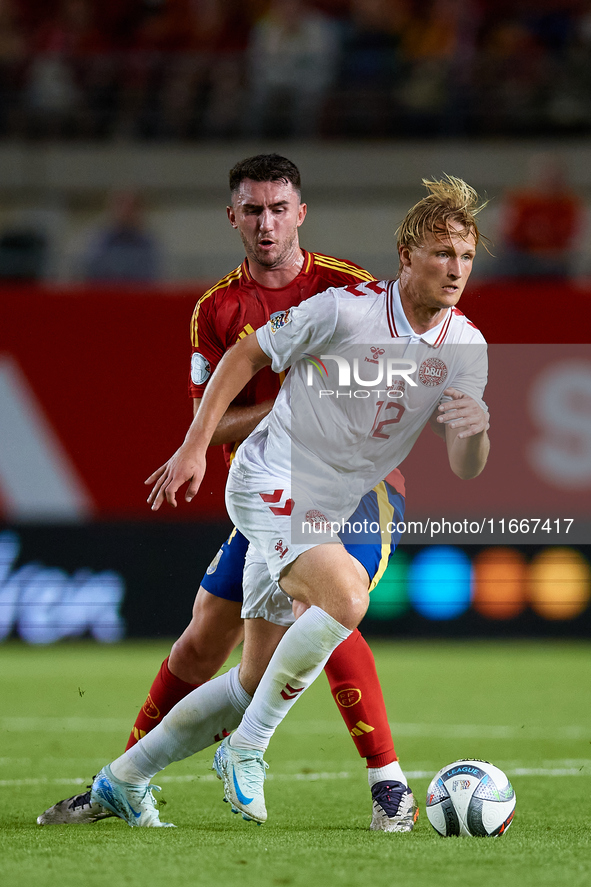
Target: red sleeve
[208,347]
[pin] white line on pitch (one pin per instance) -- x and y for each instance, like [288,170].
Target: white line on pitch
[64,725]
[296,777]
[474,731]
[440,731]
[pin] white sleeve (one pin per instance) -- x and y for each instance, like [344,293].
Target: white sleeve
[308,327]
[472,373]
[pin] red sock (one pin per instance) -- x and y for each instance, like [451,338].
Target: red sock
[164,694]
[355,686]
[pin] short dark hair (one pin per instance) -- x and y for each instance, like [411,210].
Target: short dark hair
[265,168]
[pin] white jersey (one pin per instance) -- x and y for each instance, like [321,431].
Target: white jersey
[361,388]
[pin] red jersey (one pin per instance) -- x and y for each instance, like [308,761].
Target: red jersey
[237,305]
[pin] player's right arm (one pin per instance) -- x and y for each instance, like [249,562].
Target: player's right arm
[235,369]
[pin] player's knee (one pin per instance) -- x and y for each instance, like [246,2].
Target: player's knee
[193,662]
[197,641]
[348,607]
[187,646]
[357,607]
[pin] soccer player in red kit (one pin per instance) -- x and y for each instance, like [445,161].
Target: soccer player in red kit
[276,275]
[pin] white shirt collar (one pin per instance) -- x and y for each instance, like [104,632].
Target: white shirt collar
[400,327]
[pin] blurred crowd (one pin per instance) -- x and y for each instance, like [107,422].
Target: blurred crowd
[198,69]
[539,229]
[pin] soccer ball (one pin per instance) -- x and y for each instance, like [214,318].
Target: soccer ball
[470,798]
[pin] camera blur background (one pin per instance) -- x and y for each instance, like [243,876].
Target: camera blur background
[119,122]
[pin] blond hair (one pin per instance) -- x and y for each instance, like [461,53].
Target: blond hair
[449,200]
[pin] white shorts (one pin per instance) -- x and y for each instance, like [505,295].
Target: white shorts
[266,521]
[263,599]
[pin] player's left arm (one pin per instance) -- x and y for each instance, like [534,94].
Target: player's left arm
[464,425]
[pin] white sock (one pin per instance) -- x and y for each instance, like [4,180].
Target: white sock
[390,773]
[299,658]
[203,717]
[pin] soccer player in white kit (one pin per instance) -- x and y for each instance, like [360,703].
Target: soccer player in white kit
[329,438]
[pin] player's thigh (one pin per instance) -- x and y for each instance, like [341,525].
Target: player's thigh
[371,535]
[216,617]
[216,625]
[328,577]
[374,529]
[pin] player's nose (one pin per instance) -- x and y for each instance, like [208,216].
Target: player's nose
[454,268]
[266,220]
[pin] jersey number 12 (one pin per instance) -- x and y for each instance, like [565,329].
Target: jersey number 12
[393,417]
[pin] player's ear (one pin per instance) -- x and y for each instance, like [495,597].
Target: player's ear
[404,253]
[232,216]
[302,212]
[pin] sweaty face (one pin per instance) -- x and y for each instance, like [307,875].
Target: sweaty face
[268,215]
[436,272]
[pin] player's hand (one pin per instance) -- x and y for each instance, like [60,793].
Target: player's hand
[181,468]
[463,412]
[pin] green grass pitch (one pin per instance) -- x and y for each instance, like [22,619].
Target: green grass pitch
[525,706]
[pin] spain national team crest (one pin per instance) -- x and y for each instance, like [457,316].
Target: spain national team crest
[349,697]
[432,372]
[151,709]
